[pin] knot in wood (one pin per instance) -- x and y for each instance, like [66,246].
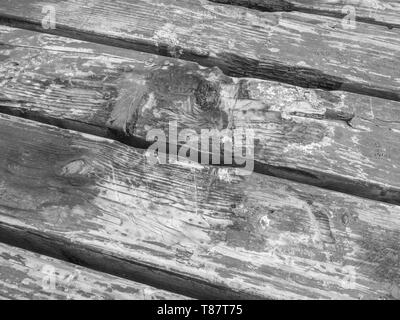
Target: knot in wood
[207,95]
[76,167]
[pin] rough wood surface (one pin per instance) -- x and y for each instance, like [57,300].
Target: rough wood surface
[198,230]
[382,12]
[302,49]
[27,275]
[337,140]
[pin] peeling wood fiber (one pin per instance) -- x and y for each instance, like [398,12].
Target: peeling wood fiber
[202,231]
[380,12]
[297,48]
[28,275]
[336,140]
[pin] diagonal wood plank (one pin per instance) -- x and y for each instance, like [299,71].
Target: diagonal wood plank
[335,140]
[381,12]
[301,49]
[27,275]
[202,231]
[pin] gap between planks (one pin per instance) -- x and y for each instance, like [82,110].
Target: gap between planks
[98,203]
[28,275]
[340,141]
[385,13]
[297,48]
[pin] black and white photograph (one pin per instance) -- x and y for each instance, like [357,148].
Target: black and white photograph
[200,154]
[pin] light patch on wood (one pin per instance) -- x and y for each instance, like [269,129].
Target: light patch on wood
[128,106]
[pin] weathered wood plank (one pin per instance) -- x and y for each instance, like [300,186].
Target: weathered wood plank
[302,49]
[28,275]
[336,140]
[203,231]
[382,12]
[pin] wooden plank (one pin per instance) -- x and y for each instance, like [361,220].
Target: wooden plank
[336,140]
[203,231]
[297,48]
[28,275]
[381,12]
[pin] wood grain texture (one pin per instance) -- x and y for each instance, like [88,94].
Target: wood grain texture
[381,12]
[27,275]
[336,140]
[190,228]
[302,49]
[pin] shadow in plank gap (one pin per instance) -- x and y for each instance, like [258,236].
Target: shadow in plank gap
[384,13]
[293,47]
[28,275]
[199,230]
[335,140]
